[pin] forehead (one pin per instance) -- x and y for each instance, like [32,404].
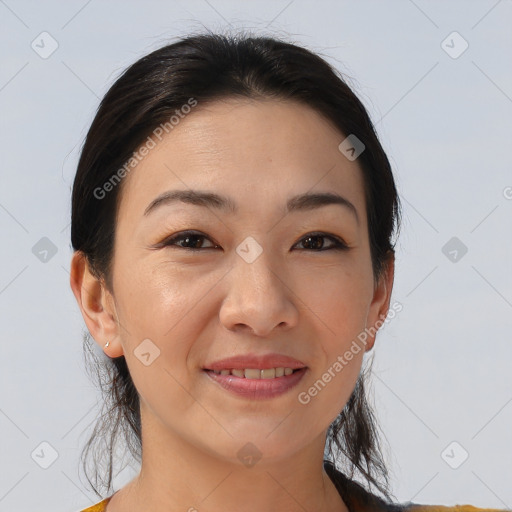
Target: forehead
[260,152]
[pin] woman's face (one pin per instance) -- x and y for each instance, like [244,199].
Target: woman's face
[252,283]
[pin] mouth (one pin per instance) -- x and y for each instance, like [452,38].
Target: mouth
[256,373]
[257,383]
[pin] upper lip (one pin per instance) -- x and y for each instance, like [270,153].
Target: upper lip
[261,362]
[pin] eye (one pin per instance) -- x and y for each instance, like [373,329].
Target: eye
[192,240]
[315,242]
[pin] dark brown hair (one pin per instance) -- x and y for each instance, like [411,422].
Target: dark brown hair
[206,67]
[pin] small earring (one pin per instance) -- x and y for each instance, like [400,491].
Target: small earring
[107,344]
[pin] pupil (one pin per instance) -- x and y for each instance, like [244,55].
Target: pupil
[318,239]
[197,239]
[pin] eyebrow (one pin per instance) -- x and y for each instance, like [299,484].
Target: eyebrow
[301,202]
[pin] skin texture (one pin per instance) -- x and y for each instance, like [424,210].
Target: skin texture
[201,305]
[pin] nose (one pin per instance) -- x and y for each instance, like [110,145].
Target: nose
[259,299]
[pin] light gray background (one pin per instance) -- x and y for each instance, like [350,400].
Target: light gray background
[442,369]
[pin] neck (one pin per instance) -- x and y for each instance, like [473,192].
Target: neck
[178,476]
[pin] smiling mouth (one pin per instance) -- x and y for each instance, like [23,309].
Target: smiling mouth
[256,373]
[257,383]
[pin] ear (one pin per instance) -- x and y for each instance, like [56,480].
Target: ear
[381,299]
[96,304]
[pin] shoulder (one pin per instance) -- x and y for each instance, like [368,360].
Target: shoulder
[99,507]
[359,499]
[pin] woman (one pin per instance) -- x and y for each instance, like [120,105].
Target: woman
[233,215]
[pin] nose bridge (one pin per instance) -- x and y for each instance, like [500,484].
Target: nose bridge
[256,280]
[257,295]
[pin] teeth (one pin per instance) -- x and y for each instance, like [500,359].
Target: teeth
[254,373]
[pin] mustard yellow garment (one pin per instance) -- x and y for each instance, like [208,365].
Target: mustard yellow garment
[100,507]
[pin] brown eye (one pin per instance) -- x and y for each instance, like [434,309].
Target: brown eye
[188,240]
[316,242]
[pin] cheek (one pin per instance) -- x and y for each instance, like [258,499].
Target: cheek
[156,298]
[340,302]
[170,308]
[159,312]
[340,299]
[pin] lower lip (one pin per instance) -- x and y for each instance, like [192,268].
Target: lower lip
[257,388]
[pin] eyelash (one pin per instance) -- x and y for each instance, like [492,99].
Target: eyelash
[339,245]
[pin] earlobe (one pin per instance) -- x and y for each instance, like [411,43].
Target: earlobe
[96,305]
[115,350]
